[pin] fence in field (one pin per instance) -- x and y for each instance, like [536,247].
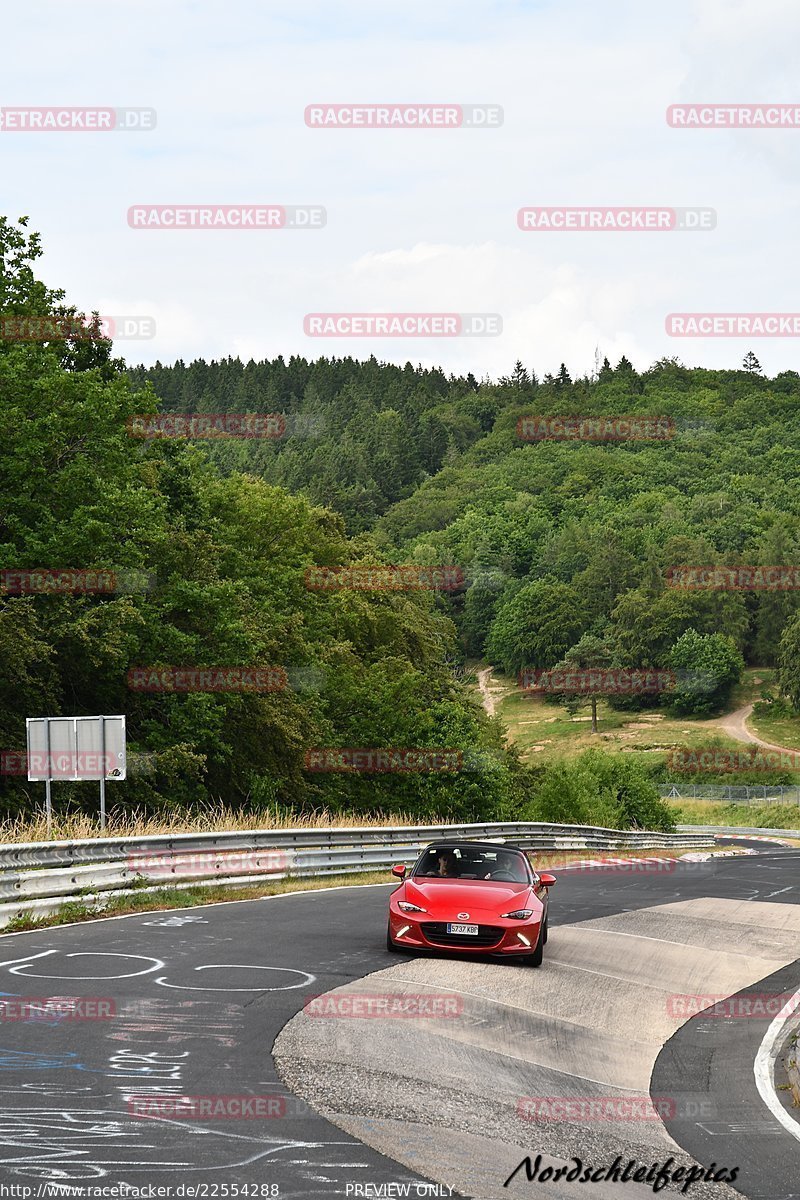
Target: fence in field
[762,793]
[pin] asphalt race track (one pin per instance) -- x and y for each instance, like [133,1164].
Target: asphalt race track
[192,1002]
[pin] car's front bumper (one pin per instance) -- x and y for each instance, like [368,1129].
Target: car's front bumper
[496,935]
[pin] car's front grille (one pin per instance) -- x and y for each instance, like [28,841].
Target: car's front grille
[487,935]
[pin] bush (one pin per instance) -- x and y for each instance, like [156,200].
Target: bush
[596,788]
[771,705]
[708,665]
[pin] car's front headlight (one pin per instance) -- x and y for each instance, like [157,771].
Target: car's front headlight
[520,914]
[407,906]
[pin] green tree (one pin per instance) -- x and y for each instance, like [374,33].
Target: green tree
[707,667]
[592,652]
[536,626]
[563,379]
[789,663]
[774,609]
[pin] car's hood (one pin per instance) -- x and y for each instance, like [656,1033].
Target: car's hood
[445,899]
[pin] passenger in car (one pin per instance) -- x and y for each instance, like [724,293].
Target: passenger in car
[447,865]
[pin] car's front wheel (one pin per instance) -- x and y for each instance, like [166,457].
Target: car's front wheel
[535,959]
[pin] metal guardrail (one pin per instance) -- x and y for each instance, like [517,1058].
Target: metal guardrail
[721,830]
[41,877]
[89,850]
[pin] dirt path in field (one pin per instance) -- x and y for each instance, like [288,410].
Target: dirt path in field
[735,725]
[489,701]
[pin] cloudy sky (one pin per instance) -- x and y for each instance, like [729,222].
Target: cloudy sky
[417,220]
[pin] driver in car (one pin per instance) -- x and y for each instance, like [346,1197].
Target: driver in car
[508,864]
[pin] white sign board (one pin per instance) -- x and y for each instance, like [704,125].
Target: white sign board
[71,748]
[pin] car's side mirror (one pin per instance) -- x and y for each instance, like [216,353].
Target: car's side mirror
[547,880]
[399,871]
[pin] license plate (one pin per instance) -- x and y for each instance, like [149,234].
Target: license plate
[468,929]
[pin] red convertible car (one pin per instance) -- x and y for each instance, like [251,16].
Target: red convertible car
[476,897]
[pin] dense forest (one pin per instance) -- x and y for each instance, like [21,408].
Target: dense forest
[569,549]
[562,551]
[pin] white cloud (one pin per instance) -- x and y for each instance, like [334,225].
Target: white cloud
[421,220]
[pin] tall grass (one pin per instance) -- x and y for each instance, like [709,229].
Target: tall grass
[755,816]
[131,823]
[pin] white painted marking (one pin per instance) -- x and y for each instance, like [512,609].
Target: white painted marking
[779,892]
[27,958]
[639,936]
[653,987]
[93,954]
[762,1068]
[173,922]
[761,1128]
[305,981]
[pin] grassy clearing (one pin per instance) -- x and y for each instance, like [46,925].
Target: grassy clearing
[72,827]
[170,898]
[544,731]
[757,816]
[781,731]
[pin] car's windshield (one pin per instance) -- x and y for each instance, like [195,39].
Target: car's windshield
[472,862]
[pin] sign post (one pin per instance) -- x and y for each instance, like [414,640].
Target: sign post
[48,800]
[72,748]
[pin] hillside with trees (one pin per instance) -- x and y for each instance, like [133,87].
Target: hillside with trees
[562,543]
